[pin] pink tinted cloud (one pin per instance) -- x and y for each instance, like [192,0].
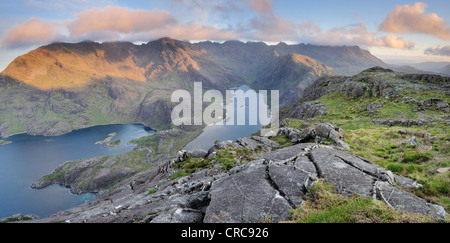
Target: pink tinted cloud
[119,19]
[359,35]
[412,19]
[393,41]
[33,31]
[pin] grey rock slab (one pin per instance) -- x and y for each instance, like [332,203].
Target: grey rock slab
[291,182]
[404,201]
[406,182]
[364,165]
[305,164]
[196,153]
[246,197]
[255,142]
[289,153]
[348,179]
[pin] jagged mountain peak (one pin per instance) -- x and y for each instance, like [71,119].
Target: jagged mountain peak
[67,65]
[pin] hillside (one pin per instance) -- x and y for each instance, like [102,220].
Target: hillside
[372,147]
[291,74]
[397,120]
[445,70]
[62,86]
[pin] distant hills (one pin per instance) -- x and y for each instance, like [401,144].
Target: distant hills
[446,70]
[64,86]
[442,68]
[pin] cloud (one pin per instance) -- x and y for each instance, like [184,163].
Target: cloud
[67,6]
[115,23]
[196,32]
[393,41]
[118,19]
[262,6]
[412,19]
[359,35]
[270,27]
[33,31]
[438,51]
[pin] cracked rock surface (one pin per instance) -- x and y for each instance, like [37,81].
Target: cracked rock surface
[259,191]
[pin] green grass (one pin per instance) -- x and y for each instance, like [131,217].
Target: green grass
[385,146]
[324,205]
[115,142]
[161,145]
[227,159]
[281,140]
[11,219]
[3,142]
[151,191]
[416,158]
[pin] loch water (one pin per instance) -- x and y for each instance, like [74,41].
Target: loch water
[28,158]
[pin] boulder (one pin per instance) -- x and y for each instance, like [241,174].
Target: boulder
[307,110]
[412,142]
[357,91]
[329,131]
[255,142]
[196,153]
[289,132]
[433,104]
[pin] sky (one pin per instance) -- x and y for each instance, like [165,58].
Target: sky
[411,31]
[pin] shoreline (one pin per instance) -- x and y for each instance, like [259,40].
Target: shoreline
[81,128]
[5,142]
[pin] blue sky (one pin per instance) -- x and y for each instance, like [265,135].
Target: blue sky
[411,30]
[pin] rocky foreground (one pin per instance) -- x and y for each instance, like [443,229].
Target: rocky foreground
[259,179]
[267,187]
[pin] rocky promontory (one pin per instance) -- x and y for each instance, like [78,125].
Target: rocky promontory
[270,185]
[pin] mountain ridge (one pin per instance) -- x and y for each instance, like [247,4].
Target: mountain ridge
[67,65]
[67,86]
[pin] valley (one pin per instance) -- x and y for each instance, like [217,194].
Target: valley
[382,131]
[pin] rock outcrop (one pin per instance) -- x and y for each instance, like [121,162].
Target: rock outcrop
[320,131]
[262,190]
[305,110]
[380,82]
